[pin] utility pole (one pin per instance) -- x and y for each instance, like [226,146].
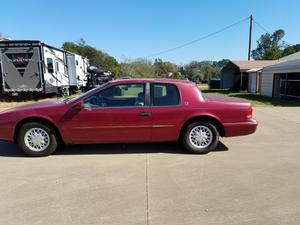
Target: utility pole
[250,37]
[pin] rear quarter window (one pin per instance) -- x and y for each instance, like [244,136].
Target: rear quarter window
[165,95]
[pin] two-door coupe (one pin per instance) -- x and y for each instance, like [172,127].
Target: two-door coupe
[131,110]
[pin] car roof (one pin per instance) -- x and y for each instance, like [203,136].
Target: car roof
[160,80]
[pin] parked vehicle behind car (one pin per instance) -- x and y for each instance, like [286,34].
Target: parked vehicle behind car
[129,111]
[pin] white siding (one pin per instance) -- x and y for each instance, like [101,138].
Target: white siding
[267,84]
[252,82]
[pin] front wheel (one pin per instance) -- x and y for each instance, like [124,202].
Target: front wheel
[37,139]
[200,137]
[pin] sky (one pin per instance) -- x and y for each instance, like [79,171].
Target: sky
[131,29]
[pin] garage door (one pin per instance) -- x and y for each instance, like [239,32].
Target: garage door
[290,85]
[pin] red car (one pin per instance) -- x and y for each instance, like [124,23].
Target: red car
[131,110]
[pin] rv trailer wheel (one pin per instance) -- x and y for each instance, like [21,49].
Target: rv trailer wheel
[65,92]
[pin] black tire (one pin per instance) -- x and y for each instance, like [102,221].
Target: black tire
[53,140]
[188,145]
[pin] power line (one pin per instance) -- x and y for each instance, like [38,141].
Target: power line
[198,39]
[263,28]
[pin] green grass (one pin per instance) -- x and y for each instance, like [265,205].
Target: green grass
[254,99]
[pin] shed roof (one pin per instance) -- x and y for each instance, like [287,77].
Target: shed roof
[291,57]
[248,65]
[291,66]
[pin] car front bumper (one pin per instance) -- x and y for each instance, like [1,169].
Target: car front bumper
[241,128]
[7,125]
[6,133]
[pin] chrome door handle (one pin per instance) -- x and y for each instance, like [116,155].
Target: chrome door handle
[145,113]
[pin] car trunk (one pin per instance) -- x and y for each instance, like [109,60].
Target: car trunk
[220,98]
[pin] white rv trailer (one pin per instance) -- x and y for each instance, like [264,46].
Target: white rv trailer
[81,64]
[77,69]
[33,66]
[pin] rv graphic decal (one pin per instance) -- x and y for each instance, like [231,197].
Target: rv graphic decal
[20,59]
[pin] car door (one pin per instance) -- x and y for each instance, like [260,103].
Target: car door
[167,112]
[119,113]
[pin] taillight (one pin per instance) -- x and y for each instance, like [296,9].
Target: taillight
[249,113]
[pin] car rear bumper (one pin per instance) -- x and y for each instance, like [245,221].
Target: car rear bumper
[241,128]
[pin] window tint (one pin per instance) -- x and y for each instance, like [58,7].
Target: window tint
[165,95]
[50,65]
[124,95]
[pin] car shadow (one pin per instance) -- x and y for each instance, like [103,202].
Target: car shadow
[11,150]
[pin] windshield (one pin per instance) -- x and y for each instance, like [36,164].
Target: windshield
[70,100]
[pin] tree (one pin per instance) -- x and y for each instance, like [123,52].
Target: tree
[220,64]
[2,36]
[137,68]
[182,72]
[145,68]
[164,68]
[203,70]
[71,47]
[96,56]
[291,49]
[81,42]
[269,46]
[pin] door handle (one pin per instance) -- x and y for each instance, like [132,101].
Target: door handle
[145,113]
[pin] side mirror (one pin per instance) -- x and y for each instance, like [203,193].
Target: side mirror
[79,106]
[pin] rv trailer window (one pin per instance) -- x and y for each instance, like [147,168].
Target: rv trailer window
[50,65]
[76,62]
[56,67]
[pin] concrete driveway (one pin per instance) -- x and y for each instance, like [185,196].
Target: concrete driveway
[255,181]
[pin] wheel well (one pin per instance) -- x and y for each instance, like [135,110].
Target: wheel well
[208,119]
[38,120]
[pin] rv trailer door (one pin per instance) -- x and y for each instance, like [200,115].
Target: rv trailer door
[71,69]
[21,69]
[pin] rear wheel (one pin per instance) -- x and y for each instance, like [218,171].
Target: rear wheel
[200,137]
[37,139]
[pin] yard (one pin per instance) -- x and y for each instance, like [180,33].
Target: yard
[254,99]
[11,104]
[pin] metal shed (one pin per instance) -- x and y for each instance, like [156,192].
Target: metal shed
[282,79]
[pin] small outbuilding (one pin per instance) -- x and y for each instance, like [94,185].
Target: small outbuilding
[244,75]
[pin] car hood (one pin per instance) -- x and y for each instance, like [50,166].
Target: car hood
[37,105]
[220,98]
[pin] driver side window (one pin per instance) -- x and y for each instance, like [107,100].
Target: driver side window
[122,95]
